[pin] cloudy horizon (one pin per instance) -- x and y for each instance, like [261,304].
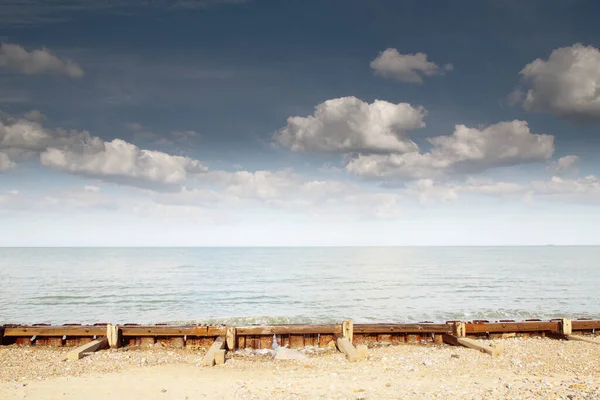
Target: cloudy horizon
[264,123]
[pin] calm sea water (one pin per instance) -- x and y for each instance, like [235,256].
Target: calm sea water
[276,285]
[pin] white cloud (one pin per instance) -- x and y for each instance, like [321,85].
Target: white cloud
[564,165]
[65,200]
[467,150]
[429,191]
[29,135]
[79,152]
[287,191]
[140,133]
[406,67]
[349,124]
[35,116]
[5,162]
[118,158]
[266,185]
[16,58]
[567,84]
[582,190]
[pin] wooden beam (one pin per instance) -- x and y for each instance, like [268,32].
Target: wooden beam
[363,351]
[583,325]
[86,348]
[287,330]
[220,357]
[583,339]
[209,357]
[472,344]
[230,338]
[401,328]
[344,345]
[509,327]
[48,331]
[1,335]
[140,331]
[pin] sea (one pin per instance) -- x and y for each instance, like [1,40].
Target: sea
[241,286]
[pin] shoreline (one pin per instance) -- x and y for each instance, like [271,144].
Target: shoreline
[529,368]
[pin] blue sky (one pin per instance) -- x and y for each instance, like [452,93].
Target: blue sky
[299,123]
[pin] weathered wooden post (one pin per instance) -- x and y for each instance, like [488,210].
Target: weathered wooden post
[230,337]
[565,326]
[112,333]
[459,329]
[348,330]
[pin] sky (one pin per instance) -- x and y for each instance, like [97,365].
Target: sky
[299,123]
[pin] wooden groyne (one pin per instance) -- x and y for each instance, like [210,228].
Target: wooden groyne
[292,336]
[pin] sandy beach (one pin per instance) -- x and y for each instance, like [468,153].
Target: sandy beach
[533,368]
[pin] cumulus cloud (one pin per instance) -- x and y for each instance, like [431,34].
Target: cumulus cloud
[408,68]
[118,158]
[582,190]
[430,191]
[34,62]
[264,185]
[348,124]
[566,84]
[467,150]
[35,116]
[287,191]
[564,165]
[81,153]
[5,162]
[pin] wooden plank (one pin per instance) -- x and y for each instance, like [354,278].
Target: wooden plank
[1,335]
[472,344]
[47,331]
[91,347]
[509,327]
[585,325]
[401,328]
[266,342]
[296,341]
[141,331]
[209,357]
[344,345]
[363,351]
[583,339]
[216,330]
[324,340]
[220,357]
[286,330]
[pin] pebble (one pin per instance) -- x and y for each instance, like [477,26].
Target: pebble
[540,368]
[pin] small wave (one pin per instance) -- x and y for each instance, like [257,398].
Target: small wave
[256,320]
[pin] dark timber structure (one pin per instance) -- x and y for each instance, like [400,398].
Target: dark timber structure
[295,336]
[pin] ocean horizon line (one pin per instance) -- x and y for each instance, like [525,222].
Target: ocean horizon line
[295,246]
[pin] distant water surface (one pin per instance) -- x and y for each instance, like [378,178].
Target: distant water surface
[277,285]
